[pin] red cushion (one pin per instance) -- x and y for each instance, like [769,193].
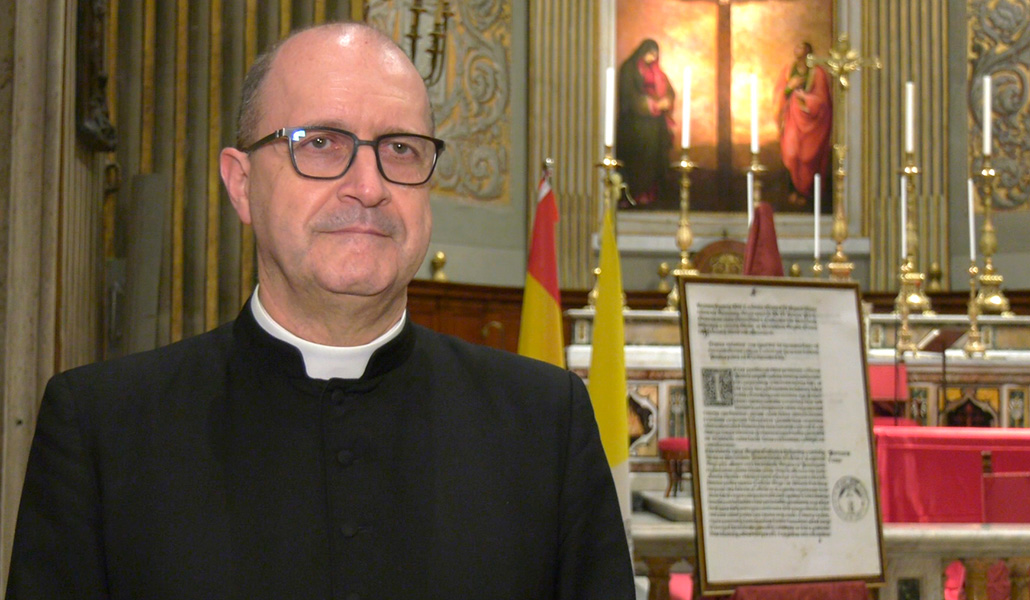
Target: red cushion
[674,444]
[681,585]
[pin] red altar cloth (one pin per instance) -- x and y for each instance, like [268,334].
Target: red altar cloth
[932,474]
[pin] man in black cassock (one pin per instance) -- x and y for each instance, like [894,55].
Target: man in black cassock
[322,445]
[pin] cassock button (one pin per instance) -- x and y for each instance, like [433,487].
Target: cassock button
[349,530]
[338,396]
[346,457]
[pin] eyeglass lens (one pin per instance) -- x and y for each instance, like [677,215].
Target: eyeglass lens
[404,159]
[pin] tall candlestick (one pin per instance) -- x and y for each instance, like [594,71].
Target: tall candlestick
[904,220]
[818,210]
[685,135]
[972,220]
[750,198]
[609,107]
[754,114]
[910,129]
[987,115]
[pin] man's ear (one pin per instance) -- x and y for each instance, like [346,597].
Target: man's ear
[235,169]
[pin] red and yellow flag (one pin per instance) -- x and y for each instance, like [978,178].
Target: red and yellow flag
[540,330]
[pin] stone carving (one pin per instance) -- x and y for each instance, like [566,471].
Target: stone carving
[472,102]
[1000,47]
[94,125]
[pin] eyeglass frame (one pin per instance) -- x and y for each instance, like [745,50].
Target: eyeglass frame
[288,132]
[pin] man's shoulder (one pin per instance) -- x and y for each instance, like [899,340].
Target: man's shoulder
[194,356]
[484,360]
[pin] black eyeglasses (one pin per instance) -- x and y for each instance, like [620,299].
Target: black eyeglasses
[327,153]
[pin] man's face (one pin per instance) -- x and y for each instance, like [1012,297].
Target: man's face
[359,235]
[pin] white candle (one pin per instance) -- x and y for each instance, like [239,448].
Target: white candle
[972,220]
[904,219]
[750,198]
[754,114]
[987,115]
[910,128]
[818,208]
[609,107]
[685,135]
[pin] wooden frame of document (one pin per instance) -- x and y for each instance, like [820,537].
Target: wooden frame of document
[780,426]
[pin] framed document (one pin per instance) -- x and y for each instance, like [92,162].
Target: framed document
[781,432]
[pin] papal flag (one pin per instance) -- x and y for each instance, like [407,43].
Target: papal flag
[540,330]
[607,382]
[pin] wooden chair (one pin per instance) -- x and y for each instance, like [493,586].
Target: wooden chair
[675,451]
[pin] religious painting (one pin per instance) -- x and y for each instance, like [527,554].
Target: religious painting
[970,406]
[675,412]
[1016,407]
[724,47]
[642,418]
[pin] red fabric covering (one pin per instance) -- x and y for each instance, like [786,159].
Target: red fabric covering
[894,422]
[681,586]
[999,585]
[888,382]
[1005,497]
[837,590]
[955,581]
[674,444]
[762,256]
[933,474]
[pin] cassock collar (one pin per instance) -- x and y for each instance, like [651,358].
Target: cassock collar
[277,354]
[321,361]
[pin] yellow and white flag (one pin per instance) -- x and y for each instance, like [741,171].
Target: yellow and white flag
[607,382]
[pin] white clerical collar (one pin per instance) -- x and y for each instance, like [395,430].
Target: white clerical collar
[325,362]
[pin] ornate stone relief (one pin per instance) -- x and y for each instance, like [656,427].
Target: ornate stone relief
[999,32]
[471,103]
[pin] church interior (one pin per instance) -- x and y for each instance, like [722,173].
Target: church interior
[117,236]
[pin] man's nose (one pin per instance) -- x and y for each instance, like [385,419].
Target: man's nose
[363,181]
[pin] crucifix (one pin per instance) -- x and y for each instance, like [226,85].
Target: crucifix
[841,63]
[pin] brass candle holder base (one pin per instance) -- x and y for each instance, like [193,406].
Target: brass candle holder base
[974,345]
[911,291]
[840,267]
[817,269]
[991,300]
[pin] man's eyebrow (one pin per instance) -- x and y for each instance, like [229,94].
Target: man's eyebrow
[334,124]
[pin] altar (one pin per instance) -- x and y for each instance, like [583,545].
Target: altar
[941,388]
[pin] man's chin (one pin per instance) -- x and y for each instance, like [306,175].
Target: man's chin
[373,287]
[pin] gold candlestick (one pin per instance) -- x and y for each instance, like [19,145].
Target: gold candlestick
[910,279]
[973,343]
[684,236]
[990,300]
[841,63]
[613,190]
[905,343]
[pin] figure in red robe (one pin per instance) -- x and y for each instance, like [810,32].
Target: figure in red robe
[804,108]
